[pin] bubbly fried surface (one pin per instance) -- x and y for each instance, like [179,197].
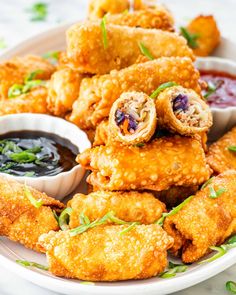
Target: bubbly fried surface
[34,101]
[87,53]
[204,221]
[103,254]
[128,206]
[151,18]
[19,220]
[101,133]
[208,34]
[99,8]
[158,165]
[16,69]
[98,93]
[220,158]
[63,90]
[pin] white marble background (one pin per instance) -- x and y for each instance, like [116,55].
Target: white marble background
[15,27]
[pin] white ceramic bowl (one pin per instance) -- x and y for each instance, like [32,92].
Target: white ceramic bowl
[62,184]
[223,118]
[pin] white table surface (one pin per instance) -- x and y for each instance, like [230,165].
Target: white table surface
[15,26]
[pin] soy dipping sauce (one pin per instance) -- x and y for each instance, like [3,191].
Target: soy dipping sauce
[36,153]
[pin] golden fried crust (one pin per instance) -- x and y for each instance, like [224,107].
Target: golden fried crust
[102,254]
[15,70]
[204,221]
[63,91]
[87,54]
[158,18]
[98,93]
[99,8]
[101,133]
[209,35]
[128,206]
[19,220]
[219,157]
[157,165]
[33,102]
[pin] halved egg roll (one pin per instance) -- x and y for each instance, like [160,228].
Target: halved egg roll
[25,213]
[105,254]
[133,118]
[183,111]
[128,206]
[208,219]
[90,51]
[157,165]
[222,153]
[97,94]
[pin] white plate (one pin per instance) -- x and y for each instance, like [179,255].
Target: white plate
[9,251]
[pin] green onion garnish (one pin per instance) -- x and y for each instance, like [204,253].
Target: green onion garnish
[3,44]
[104,32]
[36,203]
[39,11]
[211,88]
[232,148]
[145,51]
[29,174]
[215,194]
[161,88]
[31,76]
[52,56]
[64,218]
[26,263]
[23,157]
[129,228]
[191,38]
[15,90]
[207,182]
[173,211]
[173,270]
[231,287]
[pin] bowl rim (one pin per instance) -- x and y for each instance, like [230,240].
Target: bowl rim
[40,117]
[223,61]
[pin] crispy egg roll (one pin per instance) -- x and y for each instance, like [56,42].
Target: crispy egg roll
[97,94]
[20,220]
[103,254]
[133,118]
[87,52]
[15,70]
[34,101]
[205,220]
[101,133]
[63,90]
[150,18]
[222,153]
[128,206]
[183,111]
[157,165]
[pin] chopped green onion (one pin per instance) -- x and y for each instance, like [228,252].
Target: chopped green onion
[173,211]
[231,240]
[129,228]
[232,148]
[39,11]
[23,157]
[215,194]
[15,90]
[173,270]
[36,203]
[10,146]
[32,75]
[231,287]
[84,220]
[56,216]
[104,32]
[64,217]
[29,174]
[161,88]
[140,144]
[207,182]
[7,167]
[3,44]
[210,90]
[220,252]
[52,56]
[191,38]
[145,51]
[26,263]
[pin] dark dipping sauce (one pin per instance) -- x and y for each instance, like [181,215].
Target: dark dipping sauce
[225,93]
[35,153]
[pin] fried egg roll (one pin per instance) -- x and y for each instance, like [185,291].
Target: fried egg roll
[15,70]
[63,90]
[208,219]
[222,153]
[97,94]
[104,254]
[128,206]
[34,101]
[20,220]
[150,18]
[157,165]
[183,111]
[87,52]
[101,133]
[133,118]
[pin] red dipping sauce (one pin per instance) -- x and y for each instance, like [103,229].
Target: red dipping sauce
[225,94]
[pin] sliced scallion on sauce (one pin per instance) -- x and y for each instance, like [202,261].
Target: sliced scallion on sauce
[145,51]
[26,263]
[104,32]
[36,203]
[231,287]
[161,88]
[211,88]
[190,37]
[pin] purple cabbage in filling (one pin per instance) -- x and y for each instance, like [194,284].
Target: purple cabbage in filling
[180,103]
[120,117]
